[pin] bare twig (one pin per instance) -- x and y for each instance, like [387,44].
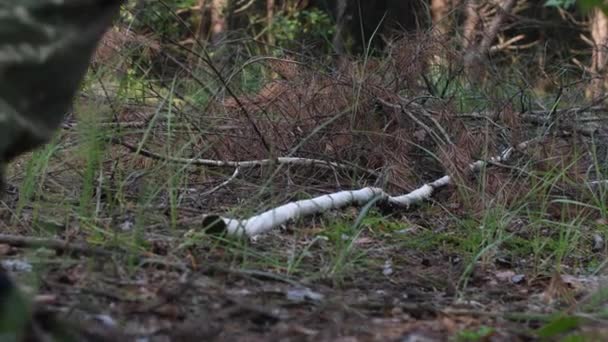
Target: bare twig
[248,163]
[495,25]
[428,115]
[585,121]
[509,44]
[402,106]
[223,184]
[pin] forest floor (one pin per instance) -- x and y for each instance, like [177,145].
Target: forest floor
[390,279]
[112,240]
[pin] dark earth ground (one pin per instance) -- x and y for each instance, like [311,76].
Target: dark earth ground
[413,295]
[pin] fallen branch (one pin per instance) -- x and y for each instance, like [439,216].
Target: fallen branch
[273,218]
[505,44]
[445,138]
[504,9]
[55,244]
[586,121]
[247,163]
[510,45]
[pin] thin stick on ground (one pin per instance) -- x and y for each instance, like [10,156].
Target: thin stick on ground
[275,217]
[55,244]
[223,184]
[297,161]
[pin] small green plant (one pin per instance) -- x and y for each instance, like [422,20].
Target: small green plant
[558,326]
[160,15]
[345,256]
[92,150]
[35,173]
[481,334]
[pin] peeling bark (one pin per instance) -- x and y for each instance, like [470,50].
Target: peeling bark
[276,217]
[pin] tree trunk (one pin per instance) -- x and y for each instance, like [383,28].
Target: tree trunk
[338,39]
[471,25]
[505,8]
[599,36]
[200,31]
[218,19]
[440,9]
[200,20]
[269,18]
[475,53]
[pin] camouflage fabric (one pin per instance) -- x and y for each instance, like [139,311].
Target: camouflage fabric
[45,48]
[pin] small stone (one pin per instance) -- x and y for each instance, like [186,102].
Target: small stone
[598,243]
[518,278]
[17,265]
[300,295]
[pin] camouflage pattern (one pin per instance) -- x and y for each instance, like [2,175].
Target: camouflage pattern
[45,49]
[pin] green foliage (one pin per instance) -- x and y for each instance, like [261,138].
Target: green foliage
[35,172]
[93,153]
[160,16]
[481,334]
[584,4]
[309,25]
[560,3]
[558,326]
[588,4]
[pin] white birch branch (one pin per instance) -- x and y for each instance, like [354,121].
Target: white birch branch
[276,217]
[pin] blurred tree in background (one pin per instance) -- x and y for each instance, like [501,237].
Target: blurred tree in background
[500,31]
